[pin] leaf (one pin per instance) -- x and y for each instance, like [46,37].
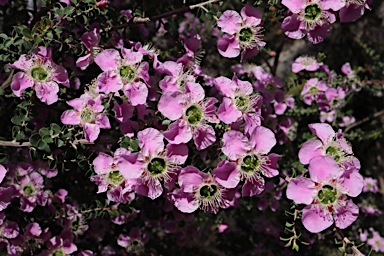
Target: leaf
[34,139]
[16,120]
[44,131]
[3,157]
[55,128]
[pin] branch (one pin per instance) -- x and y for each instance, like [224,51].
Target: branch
[346,241]
[75,142]
[364,120]
[140,20]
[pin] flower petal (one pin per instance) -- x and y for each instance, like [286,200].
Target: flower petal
[151,141]
[301,190]
[324,168]
[314,220]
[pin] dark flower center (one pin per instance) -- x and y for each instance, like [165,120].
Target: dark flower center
[28,190]
[245,35]
[127,73]
[58,253]
[250,163]
[157,166]
[312,12]
[115,177]
[208,191]
[39,73]
[87,115]
[241,103]
[334,153]
[194,115]
[327,194]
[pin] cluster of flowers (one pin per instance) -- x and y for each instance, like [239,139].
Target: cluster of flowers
[333,176]
[374,239]
[314,17]
[328,94]
[162,167]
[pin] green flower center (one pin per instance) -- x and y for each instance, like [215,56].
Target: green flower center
[312,12]
[241,103]
[39,73]
[87,115]
[28,190]
[115,177]
[127,73]
[208,191]
[313,91]
[334,153]
[250,164]
[58,253]
[194,115]
[245,35]
[327,194]
[157,166]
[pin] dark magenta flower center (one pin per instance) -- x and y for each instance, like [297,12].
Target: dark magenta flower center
[114,177]
[39,73]
[157,165]
[245,35]
[312,12]
[250,163]
[208,191]
[194,115]
[327,194]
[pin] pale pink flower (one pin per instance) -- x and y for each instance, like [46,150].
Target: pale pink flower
[88,114]
[242,32]
[249,160]
[39,71]
[325,194]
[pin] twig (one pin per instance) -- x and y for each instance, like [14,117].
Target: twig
[355,250]
[364,120]
[140,20]
[28,144]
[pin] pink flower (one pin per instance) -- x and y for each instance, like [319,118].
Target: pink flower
[109,178]
[30,187]
[310,17]
[313,90]
[88,114]
[154,163]
[249,160]
[128,74]
[370,185]
[134,243]
[353,10]
[325,194]
[191,112]
[91,41]
[242,33]
[240,103]
[39,72]
[307,63]
[199,190]
[331,144]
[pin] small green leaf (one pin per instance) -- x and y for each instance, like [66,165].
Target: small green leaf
[56,129]
[34,139]
[135,145]
[3,157]
[16,120]
[47,138]
[44,131]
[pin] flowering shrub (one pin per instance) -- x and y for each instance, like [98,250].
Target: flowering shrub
[191,127]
